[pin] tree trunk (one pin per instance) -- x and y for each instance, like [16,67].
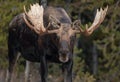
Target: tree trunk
[43,3]
[95,60]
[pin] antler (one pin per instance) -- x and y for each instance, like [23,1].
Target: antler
[35,16]
[100,15]
[34,19]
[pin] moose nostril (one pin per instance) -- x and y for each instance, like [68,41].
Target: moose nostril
[63,51]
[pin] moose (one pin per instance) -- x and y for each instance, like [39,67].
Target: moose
[46,35]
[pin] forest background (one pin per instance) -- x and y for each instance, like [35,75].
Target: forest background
[96,58]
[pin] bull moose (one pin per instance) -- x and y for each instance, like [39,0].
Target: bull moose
[46,35]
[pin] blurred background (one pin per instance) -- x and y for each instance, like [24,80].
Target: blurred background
[96,58]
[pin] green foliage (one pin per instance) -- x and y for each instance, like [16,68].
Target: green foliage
[7,11]
[85,77]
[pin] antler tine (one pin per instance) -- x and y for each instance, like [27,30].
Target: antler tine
[26,13]
[25,10]
[27,22]
[30,5]
[104,13]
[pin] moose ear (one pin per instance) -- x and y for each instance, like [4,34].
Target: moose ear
[54,22]
[76,24]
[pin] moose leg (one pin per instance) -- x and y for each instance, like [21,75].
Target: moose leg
[43,69]
[67,71]
[13,56]
[27,71]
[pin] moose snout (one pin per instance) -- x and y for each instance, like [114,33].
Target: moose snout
[64,55]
